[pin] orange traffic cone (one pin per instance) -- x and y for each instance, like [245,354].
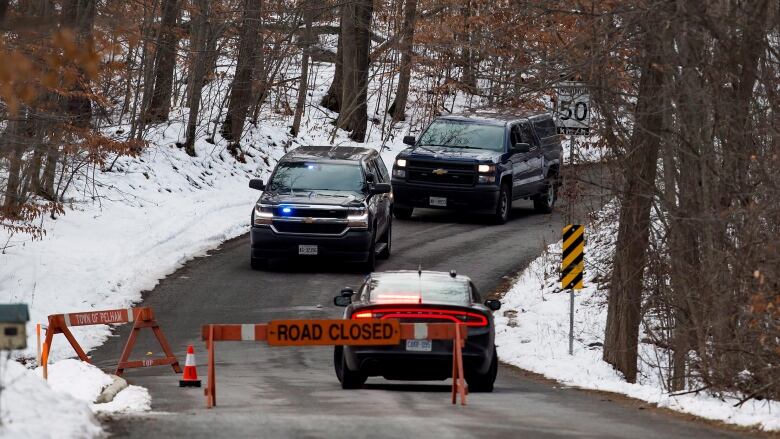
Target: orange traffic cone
[190,377]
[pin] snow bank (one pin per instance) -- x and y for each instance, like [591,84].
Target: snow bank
[532,332]
[31,408]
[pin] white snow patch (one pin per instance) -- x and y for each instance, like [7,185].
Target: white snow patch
[30,408]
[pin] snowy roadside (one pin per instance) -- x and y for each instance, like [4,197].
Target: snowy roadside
[28,403]
[532,331]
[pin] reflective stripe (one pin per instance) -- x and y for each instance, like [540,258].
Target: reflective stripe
[190,361]
[67,319]
[420,331]
[129,314]
[248,332]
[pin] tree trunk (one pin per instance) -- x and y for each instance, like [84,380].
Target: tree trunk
[197,78]
[398,108]
[625,293]
[332,100]
[304,83]
[79,15]
[356,37]
[241,89]
[467,58]
[164,63]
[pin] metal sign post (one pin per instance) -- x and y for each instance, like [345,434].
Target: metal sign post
[572,269]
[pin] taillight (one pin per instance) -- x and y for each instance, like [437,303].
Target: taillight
[471,319]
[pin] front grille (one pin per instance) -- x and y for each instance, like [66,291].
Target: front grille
[450,166]
[441,172]
[305,212]
[311,228]
[452,178]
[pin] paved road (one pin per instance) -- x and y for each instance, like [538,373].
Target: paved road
[293,392]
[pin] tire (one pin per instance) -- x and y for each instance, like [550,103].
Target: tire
[348,378]
[403,213]
[483,383]
[370,263]
[388,237]
[258,263]
[503,206]
[545,202]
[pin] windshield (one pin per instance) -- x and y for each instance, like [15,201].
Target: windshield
[458,134]
[425,288]
[307,176]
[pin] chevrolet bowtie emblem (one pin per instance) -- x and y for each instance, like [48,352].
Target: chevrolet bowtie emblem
[439,171]
[308,220]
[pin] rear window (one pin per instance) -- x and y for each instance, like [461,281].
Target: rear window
[545,127]
[412,288]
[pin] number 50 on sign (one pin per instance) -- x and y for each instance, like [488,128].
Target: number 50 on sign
[573,108]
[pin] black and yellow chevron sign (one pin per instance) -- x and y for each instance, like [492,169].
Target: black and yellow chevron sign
[573,258]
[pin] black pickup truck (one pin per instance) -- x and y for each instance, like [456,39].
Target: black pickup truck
[479,163]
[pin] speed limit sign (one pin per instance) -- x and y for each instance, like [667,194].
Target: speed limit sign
[573,108]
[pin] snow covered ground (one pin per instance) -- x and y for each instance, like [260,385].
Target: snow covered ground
[532,332]
[62,407]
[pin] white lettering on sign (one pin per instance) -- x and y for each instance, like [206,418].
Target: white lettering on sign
[572,109]
[98,317]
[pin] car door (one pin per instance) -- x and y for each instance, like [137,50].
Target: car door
[524,164]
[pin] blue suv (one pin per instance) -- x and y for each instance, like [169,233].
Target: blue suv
[479,163]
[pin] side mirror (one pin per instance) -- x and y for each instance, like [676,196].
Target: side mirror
[256,183]
[345,298]
[410,140]
[380,188]
[521,147]
[342,300]
[493,304]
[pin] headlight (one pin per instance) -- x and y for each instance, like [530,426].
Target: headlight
[401,163]
[486,179]
[484,169]
[263,214]
[400,173]
[357,218]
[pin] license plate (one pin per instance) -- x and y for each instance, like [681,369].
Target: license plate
[419,345]
[309,250]
[438,201]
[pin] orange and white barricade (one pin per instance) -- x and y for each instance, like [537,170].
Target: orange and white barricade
[338,333]
[139,317]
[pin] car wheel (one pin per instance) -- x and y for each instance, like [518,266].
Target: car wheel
[484,382]
[504,205]
[403,212]
[370,263]
[347,378]
[387,239]
[544,203]
[258,263]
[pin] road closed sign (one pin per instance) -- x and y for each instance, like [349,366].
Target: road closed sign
[365,332]
[572,108]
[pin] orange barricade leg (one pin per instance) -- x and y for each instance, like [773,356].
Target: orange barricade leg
[38,345]
[211,391]
[45,352]
[459,386]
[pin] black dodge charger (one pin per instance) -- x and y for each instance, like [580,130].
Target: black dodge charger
[418,297]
